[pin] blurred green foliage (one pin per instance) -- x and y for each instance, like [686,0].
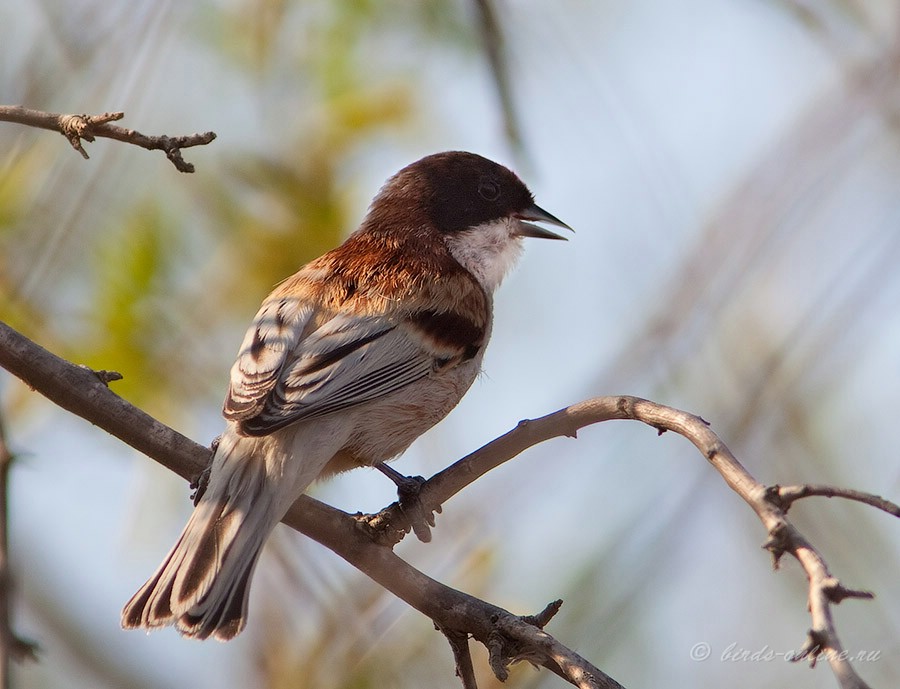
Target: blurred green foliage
[126,326]
[126,265]
[122,263]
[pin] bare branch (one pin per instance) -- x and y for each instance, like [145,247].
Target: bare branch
[542,619]
[509,638]
[783,537]
[459,644]
[786,495]
[80,391]
[528,642]
[12,647]
[87,127]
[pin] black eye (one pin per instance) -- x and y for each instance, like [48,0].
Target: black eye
[489,189]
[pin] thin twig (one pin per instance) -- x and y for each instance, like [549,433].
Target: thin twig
[538,645]
[787,495]
[78,128]
[542,619]
[459,644]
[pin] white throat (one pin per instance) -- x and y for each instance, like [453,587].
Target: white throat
[487,251]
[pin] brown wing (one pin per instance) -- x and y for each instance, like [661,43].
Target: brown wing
[342,345]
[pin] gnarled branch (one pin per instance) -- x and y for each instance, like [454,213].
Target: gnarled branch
[507,636]
[78,128]
[79,390]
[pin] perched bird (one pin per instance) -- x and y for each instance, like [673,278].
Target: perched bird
[345,364]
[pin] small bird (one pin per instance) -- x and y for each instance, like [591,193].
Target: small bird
[346,363]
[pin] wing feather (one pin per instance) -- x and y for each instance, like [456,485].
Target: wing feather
[344,363]
[309,388]
[273,335]
[345,343]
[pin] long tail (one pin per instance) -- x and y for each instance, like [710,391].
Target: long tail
[202,586]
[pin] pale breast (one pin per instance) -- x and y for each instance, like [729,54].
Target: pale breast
[385,427]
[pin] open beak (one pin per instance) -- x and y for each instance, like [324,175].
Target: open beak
[537,214]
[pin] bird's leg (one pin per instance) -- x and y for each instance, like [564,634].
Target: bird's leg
[408,487]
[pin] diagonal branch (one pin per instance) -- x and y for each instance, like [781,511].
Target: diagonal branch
[87,127]
[80,390]
[824,589]
[84,393]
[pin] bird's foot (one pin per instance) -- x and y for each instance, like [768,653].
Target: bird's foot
[420,519]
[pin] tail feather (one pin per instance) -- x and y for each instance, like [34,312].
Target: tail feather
[225,617]
[202,585]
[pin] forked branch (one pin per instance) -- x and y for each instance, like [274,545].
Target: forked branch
[508,637]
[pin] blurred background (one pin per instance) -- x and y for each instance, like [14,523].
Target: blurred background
[732,170]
